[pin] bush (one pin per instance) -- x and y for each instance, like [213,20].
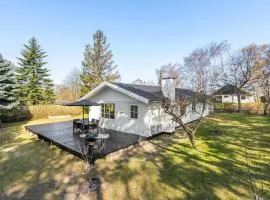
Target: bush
[38,112]
[253,108]
[44,111]
[15,115]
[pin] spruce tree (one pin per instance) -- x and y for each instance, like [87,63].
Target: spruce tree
[97,65]
[35,85]
[8,85]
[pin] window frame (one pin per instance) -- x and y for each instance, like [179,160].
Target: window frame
[106,112]
[130,111]
[193,106]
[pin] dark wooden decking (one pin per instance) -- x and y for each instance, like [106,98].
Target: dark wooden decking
[60,134]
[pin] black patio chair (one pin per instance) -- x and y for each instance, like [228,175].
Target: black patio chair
[76,125]
[94,125]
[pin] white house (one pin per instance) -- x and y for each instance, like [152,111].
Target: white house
[227,94]
[136,109]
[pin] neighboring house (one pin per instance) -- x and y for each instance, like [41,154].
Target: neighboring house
[137,109]
[227,94]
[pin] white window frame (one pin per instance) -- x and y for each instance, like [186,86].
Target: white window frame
[103,116]
[130,111]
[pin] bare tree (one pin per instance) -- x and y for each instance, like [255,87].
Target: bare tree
[242,70]
[73,82]
[169,70]
[204,65]
[139,81]
[199,67]
[265,79]
[63,94]
[179,109]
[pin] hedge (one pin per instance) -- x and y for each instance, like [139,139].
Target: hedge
[38,112]
[253,108]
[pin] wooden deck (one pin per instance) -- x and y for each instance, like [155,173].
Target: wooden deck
[60,134]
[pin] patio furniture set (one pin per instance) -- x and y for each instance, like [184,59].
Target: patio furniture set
[84,126]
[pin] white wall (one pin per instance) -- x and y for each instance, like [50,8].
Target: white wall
[151,117]
[194,115]
[122,121]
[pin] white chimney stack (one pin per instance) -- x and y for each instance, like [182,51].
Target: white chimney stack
[168,88]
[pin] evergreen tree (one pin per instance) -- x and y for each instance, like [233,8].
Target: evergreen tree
[97,65]
[35,85]
[8,85]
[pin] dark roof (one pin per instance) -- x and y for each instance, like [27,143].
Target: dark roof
[153,93]
[228,89]
[83,102]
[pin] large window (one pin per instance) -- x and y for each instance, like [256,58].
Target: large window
[134,111]
[107,110]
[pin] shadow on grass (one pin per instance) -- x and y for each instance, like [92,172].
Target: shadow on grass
[31,169]
[216,170]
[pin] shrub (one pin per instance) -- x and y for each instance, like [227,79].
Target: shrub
[44,111]
[253,108]
[38,112]
[15,115]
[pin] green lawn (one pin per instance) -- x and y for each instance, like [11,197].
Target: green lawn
[163,168]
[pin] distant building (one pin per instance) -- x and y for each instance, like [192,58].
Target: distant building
[227,94]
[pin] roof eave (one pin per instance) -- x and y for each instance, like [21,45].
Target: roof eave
[117,88]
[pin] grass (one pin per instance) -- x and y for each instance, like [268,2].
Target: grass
[163,168]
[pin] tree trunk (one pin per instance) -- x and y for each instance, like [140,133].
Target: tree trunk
[190,135]
[239,101]
[192,141]
[266,104]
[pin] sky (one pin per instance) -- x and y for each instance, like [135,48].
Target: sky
[143,34]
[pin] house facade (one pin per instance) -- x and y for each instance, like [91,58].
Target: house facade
[136,109]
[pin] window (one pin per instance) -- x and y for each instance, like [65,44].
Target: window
[243,97]
[193,106]
[226,96]
[107,110]
[133,111]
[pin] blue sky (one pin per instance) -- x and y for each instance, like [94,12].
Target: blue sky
[143,34]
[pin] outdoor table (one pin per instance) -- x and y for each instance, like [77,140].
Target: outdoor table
[102,138]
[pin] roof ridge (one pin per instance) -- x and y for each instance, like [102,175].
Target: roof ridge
[148,85]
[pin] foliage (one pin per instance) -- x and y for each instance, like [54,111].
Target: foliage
[264,81]
[242,69]
[63,94]
[252,108]
[199,67]
[139,81]
[35,85]
[170,71]
[202,66]
[39,112]
[15,115]
[8,86]
[97,65]
[44,111]
[73,83]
